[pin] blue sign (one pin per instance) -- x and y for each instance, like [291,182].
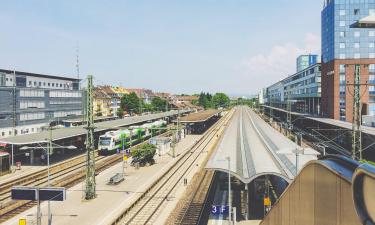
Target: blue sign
[219,209]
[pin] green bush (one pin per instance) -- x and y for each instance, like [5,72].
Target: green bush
[144,152]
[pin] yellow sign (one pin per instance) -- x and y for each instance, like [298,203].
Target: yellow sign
[22,222]
[267,201]
[125,157]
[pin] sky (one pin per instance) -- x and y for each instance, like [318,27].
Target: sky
[231,46]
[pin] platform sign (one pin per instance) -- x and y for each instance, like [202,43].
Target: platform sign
[219,209]
[24,193]
[32,193]
[52,194]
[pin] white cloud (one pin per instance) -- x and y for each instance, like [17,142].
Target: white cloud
[266,69]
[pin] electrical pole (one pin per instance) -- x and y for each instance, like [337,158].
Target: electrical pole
[49,151]
[356,124]
[90,192]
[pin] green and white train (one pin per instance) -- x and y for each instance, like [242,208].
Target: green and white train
[112,141]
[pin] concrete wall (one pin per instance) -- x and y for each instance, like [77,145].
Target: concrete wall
[316,197]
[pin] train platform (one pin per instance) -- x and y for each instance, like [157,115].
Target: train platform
[199,122]
[22,172]
[111,199]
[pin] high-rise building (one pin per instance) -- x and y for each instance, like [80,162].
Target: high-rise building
[305,61]
[29,101]
[347,41]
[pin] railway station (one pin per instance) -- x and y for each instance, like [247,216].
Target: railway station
[199,122]
[28,149]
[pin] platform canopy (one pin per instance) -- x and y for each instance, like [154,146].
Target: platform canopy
[201,116]
[250,148]
[64,133]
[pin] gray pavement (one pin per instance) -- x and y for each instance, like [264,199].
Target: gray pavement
[254,149]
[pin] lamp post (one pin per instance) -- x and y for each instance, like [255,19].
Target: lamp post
[229,190]
[48,150]
[297,152]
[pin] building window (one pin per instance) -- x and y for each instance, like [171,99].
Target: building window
[342,34]
[342,12]
[342,23]
[53,84]
[342,78]
[371,55]
[342,56]
[371,68]
[371,44]
[342,45]
[371,78]
[371,33]
[356,45]
[30,83]
[357,34]
[356,11]
[342,114]
[40,84]
[44,84]
[34,83]
[342,68]
[357,55]
[342,90]
[371,11]
[371,89]
[49,84]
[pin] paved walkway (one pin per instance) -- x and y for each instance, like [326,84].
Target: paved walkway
[111,199]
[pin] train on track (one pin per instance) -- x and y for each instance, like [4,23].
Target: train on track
[113,141]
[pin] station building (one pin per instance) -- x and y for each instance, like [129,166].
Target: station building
[348,38]
[29,101]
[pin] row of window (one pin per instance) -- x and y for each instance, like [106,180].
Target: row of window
[65,94]
[48,84]
[356,12]
[64,102]
[342,68]
[32,104]
[31,93]
[67,113]
[356,45]
[357,55]
[32,116]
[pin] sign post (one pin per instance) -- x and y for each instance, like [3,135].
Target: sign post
[38,194]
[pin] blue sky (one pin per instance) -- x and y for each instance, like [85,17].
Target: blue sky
[234,46]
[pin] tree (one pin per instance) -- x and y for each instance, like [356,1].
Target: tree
[144,153]
[131,103]
[220,100]
[159,104]
[120,112]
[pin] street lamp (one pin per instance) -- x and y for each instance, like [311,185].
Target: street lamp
[48,151]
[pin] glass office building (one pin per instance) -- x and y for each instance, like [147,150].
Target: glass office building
[305,61]
[345,43]
[339,39]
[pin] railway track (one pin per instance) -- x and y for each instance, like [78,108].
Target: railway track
[64,174]
[148,206]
